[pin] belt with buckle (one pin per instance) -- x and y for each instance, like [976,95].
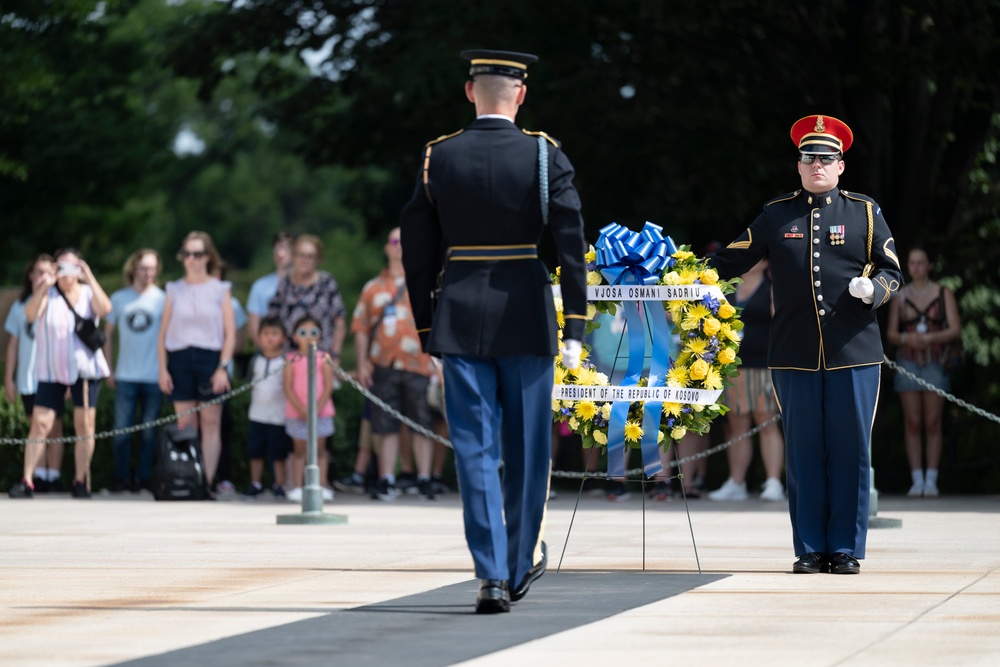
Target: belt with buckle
[491,253]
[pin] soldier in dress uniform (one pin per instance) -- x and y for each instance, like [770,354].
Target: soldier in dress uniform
[833,262]
[483,197]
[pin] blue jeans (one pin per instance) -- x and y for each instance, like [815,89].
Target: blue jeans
[128,395]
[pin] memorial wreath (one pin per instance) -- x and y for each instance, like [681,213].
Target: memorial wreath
[678,394]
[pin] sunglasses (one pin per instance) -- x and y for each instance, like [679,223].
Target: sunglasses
[197,254]
[825,159]
[311,332]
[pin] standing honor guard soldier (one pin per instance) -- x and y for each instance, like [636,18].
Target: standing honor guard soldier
[483,197]
[833,262]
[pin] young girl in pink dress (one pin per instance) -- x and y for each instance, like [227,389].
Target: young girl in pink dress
[306,331]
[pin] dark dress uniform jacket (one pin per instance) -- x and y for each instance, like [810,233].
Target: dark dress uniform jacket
[817,323]
[482,189]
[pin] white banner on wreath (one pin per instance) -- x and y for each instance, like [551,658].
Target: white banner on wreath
[634,394]
[652,292]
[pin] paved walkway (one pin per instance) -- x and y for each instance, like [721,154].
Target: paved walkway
[125,579]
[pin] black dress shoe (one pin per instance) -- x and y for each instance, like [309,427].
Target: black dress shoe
[493,598]
[534,573]
[841,563]
[810,563]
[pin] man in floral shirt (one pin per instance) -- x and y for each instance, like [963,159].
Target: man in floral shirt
[393,366]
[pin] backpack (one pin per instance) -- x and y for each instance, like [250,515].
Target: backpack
[178,473]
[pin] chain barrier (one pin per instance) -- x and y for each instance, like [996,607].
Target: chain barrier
[128,430]
[346,377]
[941,392]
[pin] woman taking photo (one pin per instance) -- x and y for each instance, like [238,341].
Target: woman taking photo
[64,361]
[197,338]
[923,319]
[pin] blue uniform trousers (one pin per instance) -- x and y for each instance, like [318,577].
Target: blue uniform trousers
[827,417]
[484,398]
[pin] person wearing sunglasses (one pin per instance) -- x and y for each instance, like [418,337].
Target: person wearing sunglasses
[486,194]
[833,263]
[196,344]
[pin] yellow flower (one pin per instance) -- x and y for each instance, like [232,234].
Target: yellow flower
[659,437]
[696,345]
[699,408]
[585,410]
[600,437]
[727,332]
[698,370]
[601,380]
[590,256]
[673,409]
[677,377]
[713,380]
[633,432]
[560,318]
[560,375]
[709,277]
[688,276]
[672,278]
[584,376]
[711,326]
[727,355]
[591,311]
[573,423]
[556,405]
[606,411]
[681,255]
[594,278]
[678,432]
[726,310]
[558,270]
[584,353]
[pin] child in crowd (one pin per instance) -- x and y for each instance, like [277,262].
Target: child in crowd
[307,330]
[267,437]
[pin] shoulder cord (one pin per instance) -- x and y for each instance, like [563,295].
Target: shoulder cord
[543,178]
[869,267]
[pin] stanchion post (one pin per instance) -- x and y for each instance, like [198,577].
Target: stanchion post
[312,494]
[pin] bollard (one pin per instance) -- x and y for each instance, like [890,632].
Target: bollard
[312,494]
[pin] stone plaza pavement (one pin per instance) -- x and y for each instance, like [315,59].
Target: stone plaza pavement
[125,579]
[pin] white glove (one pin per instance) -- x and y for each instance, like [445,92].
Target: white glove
[862,288]
[571,354]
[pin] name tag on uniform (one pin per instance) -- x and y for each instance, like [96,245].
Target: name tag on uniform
[794,233]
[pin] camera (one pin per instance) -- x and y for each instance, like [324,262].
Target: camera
[68,269]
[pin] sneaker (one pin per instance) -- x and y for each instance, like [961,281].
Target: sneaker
[661,492]
[225,487]
[21,490]
[385,491]
[40,485]
[253,491]
[80,490]
[295,495]
[437,483]
[426,489]
[327,493]
[931,490]
[916,490]
[773,490]
[278,491]
[407,483]
[618,492]
[729,491]
[352,484]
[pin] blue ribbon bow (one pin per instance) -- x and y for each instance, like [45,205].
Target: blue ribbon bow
[625,257]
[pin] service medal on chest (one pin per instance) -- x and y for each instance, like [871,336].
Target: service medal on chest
[836,234]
